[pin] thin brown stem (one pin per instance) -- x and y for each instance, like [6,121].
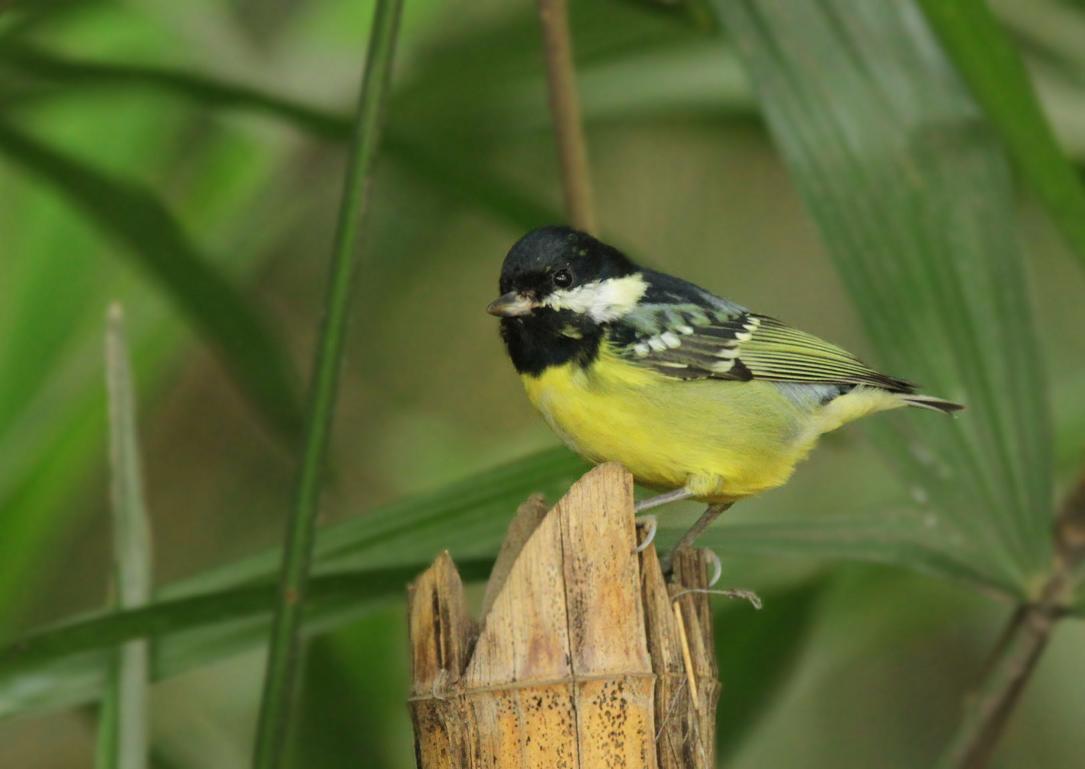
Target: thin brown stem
[1019,647]
[1023,641]
[565,110]
[711,513]
[1070,528]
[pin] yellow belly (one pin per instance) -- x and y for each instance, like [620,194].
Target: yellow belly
[720,439]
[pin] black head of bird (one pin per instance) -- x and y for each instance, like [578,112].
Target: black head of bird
[558,288]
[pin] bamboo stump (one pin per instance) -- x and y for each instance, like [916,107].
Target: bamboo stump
[584,657]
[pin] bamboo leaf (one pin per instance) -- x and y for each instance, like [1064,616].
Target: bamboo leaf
[224,611]
[38,65]
[29,14]
[468,518]
[134,217]
[67,664]
[986,58]
[124,726]
[912,195]
[904,538]
[462,175]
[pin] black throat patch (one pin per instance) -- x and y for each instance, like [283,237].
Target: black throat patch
[550,338]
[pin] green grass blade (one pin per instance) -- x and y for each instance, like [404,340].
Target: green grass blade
[27,15]
[124,727]
[301,530]
[133,216]
[66,664]
[444,168]
[988,60]
[467,517]
[38,65]
[912,195]
[205,618]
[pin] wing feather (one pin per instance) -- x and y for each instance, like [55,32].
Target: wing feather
[721,341]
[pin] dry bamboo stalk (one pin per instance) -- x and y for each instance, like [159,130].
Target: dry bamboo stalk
[578,663]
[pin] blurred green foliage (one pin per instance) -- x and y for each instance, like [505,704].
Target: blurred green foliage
[186,159]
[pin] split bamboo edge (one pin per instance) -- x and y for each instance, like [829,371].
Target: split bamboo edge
[584,657]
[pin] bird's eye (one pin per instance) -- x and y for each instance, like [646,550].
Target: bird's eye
[563,279]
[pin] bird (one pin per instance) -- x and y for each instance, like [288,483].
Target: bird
[697,396]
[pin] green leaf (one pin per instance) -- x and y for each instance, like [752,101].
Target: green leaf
[986,58]
[52,403]
[359,562]
[28,14]
[467,518]
[124,726]
[912,195]
[135,218]
[67,664]
[461,174]
[37,65]
[903,538]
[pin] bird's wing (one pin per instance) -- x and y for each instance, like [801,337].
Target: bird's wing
[720,341]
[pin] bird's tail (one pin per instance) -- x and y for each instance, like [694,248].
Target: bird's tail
[930,402]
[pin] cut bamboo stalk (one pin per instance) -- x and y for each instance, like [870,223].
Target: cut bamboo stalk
[582,659]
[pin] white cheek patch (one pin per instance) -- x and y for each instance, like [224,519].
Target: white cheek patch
[602,300]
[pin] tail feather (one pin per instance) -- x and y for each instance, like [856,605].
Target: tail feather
[932,403]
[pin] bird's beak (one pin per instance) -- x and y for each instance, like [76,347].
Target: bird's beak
[510,305]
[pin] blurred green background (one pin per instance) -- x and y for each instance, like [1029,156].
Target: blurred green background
[848,666]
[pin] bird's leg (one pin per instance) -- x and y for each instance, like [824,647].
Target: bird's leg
[663,499]
[710,514]
[650,520]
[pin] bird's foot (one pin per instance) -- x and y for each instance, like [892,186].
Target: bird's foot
[662,499]
[741,594]
[716,567]
[650,523]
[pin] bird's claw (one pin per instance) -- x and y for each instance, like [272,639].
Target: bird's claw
[651,524]
[733,592]
[717,567]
